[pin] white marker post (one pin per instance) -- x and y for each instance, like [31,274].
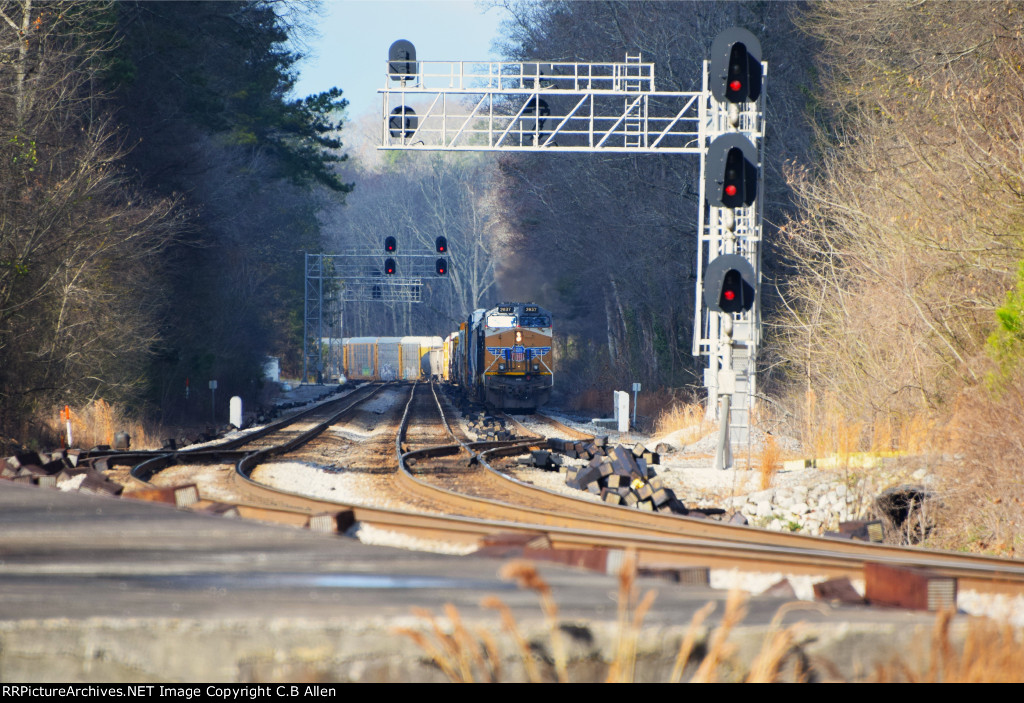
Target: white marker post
[622,410]
[235,412]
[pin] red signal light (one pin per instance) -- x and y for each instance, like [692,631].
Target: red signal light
[730,190]
[735,86]
[729,294]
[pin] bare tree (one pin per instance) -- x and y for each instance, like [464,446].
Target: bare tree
[417,198]
[76,240]
[904,245]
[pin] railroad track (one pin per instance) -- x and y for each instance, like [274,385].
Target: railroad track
[671,540]
[455,490]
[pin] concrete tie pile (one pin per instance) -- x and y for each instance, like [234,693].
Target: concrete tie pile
[620,475]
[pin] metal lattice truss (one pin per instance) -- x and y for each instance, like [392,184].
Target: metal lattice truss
[333,279]
[527,106]
[313,317]
[360,277]
[393,289]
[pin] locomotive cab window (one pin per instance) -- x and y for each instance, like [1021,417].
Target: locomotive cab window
[499,320]
[535,321]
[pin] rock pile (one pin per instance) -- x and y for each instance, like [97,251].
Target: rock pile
[809,509]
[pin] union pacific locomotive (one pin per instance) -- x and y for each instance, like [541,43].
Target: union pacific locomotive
[503,356]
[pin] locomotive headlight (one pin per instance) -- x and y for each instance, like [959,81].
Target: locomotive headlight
[501,367]
[536,367]
[519,336]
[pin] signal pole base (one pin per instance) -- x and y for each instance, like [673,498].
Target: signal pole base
[723,455]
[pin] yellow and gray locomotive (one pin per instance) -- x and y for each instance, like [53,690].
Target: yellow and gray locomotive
[503,356]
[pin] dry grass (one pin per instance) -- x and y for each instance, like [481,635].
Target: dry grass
[94,424]
[920,434]
[651,405]
[769,461]
[991,652]
[465,658]
[980,485]
[689,417]
[623,667]
[828,431]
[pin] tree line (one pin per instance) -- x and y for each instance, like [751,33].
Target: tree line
[159,185]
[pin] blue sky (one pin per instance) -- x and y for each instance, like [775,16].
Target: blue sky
[352,49]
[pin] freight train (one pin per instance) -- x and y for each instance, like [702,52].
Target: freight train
[503,356]
[392,358]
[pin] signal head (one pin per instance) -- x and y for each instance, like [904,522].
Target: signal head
[441,245]
[402,64]
[730,284]
[403,122]
[390,266]
[735,71]
[731,172]
[534,114]
[441,267]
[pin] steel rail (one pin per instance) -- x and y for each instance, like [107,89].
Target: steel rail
[219,454]
[657,542]
[628,521]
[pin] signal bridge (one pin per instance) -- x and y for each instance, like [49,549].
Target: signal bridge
[530,106]
[616,107]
